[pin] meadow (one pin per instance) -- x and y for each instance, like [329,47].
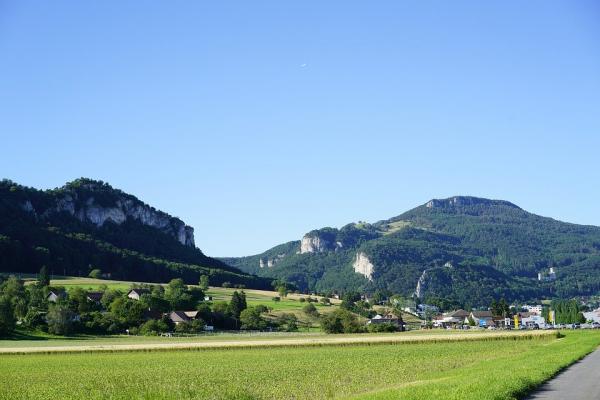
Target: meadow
[500,367]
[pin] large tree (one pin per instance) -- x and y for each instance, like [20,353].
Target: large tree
[7,317]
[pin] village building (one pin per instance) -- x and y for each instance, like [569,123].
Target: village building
[384,319]
[95,297]
[451,319]
[535,310]
[55,295]
[481,318]
[135,294]
[178,317]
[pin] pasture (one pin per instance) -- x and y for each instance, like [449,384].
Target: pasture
[487,366]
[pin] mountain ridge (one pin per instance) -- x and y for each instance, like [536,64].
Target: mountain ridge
[494,242]
[87,224]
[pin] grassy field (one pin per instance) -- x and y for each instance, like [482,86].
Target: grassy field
[499,368]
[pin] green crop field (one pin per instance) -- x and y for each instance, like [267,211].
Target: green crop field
[488,368]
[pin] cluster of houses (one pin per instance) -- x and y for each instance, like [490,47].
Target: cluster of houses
[177,317]
[56,295]
[531,318]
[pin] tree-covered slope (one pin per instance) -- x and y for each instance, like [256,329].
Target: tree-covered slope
[88,224]
[468,249]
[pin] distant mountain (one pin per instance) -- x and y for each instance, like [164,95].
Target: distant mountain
[466,249]
[88,224]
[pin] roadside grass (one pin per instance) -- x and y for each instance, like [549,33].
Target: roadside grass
[511,375]
[502,368]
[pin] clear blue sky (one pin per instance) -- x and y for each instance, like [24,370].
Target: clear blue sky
[256,122]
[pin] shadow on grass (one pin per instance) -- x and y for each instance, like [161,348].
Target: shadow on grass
[20,335]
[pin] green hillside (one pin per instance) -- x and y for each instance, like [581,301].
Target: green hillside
[466,249]
[87,225]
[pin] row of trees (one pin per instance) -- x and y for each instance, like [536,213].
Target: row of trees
[565,312]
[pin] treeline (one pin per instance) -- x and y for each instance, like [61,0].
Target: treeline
[565,312]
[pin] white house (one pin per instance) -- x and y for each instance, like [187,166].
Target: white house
[533,320]
[135,294]
[54,296]
[537,309]
[593,316]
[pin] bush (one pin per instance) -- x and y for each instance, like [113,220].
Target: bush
[287,322]
[7,317]
[194,326]
[262,308]
[226,284]
[276,298]
[302,300]
[385,327]
[310,310]
[341,321]
[60,320]
[251,319]
[325,301]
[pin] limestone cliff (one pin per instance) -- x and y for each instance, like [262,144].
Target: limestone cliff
[362,265]
[315,244]
[97,203]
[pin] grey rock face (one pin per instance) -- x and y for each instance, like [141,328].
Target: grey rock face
[123,208]
[421,285]
[362,265]
[315,244]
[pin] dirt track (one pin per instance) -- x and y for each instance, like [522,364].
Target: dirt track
[321,341]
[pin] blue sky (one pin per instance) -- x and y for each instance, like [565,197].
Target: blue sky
[256,122]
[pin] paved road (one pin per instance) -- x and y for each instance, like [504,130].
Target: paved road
[578,382]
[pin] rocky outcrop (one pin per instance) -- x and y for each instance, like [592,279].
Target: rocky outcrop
[270,262]
[421,285]
[315,244]
[362,265]
[464,201]
[119,209]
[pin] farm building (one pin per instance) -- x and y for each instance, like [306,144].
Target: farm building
[384,319]
[177,317]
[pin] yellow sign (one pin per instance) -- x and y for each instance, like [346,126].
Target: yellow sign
[516,321]
[552,317]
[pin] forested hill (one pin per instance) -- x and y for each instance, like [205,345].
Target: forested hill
[88,224]
[465,249]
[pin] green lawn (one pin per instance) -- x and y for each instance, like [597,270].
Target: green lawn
[480,369]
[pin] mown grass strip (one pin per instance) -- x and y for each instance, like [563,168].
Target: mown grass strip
[465,369]
[368,340]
